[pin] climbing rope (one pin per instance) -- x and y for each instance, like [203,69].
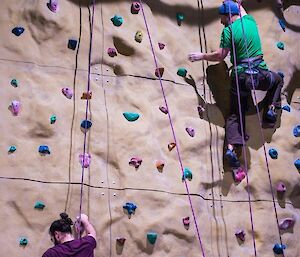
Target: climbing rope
[172,128]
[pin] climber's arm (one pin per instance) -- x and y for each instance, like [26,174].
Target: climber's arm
[216,56]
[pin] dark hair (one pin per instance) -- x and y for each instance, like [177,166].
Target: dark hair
[62,225]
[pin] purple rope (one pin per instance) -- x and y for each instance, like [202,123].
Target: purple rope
[260,122]
[172,128]
[243,138]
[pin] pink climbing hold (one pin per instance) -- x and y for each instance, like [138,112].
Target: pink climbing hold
[15,107]
[68,92]
[286,223]
[112,52]
[281,188]
[240,234]
[186,221]
[239,174]
[135,162]
[161,46]
[53,5]
[85,160]
[190,131]
[163,109]
[135,7]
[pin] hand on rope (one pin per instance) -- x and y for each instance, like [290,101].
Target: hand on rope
[198,56]
[82,224]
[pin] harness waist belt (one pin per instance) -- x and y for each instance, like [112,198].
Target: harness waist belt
[251,60]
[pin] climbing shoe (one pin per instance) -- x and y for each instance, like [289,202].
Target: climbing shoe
[232,159]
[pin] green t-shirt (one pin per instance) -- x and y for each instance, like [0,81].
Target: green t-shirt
[252,37]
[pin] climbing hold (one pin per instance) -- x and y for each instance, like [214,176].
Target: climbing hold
[23,241]
[52,119]
[117,20]
[39,205]
[112,52]
[163,109]
[190,131]
[131,116]
[286,108]
[280,45]
[72,44]
[159,72]
[138,36]
[281,74]
[186,221]
[187,174]
[201,111]
[14,83]
[281,188]
[240,234]
[53,5]
[85,160]
[160,164]
[278,248]
[297,164]
[15,107]
[17,31]
[171,146]
[135,162]
[180,17]
[296,131]
[152,236]
[182,72]
[86,124]
[135,7]
[68,92]
[121,240]
[286,223]
[44,149]
[130,208]
[273,153]
[239,174]
[161,46]
[282,24]
[86,95]
[12,149]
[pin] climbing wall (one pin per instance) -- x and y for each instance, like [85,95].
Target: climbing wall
[133,187]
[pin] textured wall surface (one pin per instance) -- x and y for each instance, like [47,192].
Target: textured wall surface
[42,63]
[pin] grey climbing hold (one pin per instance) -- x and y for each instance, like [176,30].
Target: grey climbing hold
[14,83]
[131,116]
[273,153]
[12,149]
[117,20]
[138,36]
[296,131]
[280,45]
[17,31]
[39,205]
[152,236]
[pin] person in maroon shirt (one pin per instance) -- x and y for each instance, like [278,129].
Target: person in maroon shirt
[65,245]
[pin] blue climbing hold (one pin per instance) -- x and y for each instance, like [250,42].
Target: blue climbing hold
[44,149]
[278,248]
[232,159]
[187,174]
[86,124]
[273,153]
[152,236]
[72,44]
[286,108]
[117,20]
[39,205]
[130,207]
[280,45]
[281,74]
[282,24]
[17,31]
[12,149]
[297,164]
[296,131]
[131,116]
[23,241]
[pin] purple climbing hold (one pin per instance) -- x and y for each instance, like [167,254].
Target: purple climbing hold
[190,131]
[163,109]
[135,7]
[53,5]
[15,107]
[281,188]
[186,221]
[135,162]
[85,160]
[240,234]
[286,223]
[68,92]
[112,52]
[17,31]
[161,46]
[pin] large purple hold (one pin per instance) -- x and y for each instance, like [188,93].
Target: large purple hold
[287,223]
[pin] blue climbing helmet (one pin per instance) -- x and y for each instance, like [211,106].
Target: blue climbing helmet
[229,6]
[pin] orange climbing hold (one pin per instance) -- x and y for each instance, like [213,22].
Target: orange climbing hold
[86,95]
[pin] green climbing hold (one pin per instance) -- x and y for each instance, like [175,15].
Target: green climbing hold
[152,236]
[187,174]
[117,20]
[23,241]
[280,45]
[12,149]
[39,205]
[52,119]
[182,72]
[131,116]
[14,83]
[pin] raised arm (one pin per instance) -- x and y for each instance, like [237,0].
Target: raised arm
[88,227]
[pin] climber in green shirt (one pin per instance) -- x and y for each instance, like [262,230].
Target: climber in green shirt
[249,60]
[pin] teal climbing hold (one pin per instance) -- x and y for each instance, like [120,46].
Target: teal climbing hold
[14,83]
[180,16]
[52,119]
[12,149]
[280,45]
[187,174]
[152,236]
[117,20]
[23,241]
[131,116]
[39,205]
[182,72]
